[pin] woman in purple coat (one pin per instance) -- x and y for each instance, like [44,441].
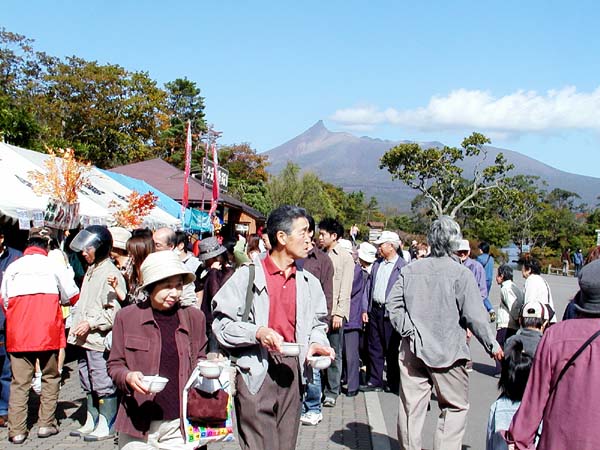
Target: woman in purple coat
[367,254]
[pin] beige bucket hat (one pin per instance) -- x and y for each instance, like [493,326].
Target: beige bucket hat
[160,265]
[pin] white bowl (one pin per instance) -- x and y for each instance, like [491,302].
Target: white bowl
[290,349]
[319,362]
[210,369]
[154,383]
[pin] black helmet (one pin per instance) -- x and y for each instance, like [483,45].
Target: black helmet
[95,236]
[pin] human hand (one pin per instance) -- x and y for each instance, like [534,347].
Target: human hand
[318,349]
[112,281]
[134,381]
[81,329]
[269,338]
[365,317]
[336,322]
[498,355]
[216,265]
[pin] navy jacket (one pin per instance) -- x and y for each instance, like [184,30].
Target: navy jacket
[400,263]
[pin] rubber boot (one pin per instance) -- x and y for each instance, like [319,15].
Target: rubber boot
[91,418]
[107,406]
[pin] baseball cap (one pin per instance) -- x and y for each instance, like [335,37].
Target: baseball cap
[387,236]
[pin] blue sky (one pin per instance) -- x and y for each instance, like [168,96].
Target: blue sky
[523,73]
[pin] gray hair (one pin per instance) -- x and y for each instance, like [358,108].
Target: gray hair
[281,219]
[444,236]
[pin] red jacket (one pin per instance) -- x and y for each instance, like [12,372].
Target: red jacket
[33,288]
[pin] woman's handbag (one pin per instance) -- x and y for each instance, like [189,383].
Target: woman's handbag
[207,407]
[198,430]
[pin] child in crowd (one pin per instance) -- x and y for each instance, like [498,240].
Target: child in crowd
[534,319]
[516,366]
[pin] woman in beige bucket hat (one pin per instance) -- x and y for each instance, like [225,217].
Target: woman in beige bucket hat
[156,337]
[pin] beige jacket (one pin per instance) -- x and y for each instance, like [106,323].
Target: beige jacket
[97,305]
[343,276]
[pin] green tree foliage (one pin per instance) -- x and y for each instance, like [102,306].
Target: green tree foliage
[247,174]
[22,72]
[435,173]
[109,115]
[320,199]
[184,103]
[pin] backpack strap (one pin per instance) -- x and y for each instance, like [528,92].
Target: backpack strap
[249,293]
[572,360]
[248,305]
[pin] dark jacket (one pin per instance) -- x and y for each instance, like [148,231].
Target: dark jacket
[319,264]
[368,293]
[358,304]
[8,256]
[136,346]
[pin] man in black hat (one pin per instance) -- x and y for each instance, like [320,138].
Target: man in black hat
[568,406]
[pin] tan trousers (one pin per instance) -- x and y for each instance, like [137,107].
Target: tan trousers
[451,386]
[23,369]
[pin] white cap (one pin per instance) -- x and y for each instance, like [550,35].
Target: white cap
[464,245]
[387,236]
[345,244]
[367,252]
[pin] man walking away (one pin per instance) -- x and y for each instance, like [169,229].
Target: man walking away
[487,261]
[432,305]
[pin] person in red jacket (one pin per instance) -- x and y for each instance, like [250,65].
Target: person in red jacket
[33,289]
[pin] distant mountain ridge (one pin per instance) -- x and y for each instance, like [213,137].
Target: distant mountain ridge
[353,163]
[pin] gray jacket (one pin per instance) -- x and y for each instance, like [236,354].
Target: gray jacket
[240,337]
[433,303]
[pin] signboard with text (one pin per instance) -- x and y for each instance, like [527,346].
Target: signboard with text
[207,175]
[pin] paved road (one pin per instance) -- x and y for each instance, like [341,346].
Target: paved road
[361,422]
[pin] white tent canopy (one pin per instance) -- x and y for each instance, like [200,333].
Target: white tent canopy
[95,198]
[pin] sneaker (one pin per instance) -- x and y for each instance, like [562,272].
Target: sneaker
[311,418]
[329,402]
[469,366]
[492,316]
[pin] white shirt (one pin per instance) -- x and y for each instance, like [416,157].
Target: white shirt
[537,289]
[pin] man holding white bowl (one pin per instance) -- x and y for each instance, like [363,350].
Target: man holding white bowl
[288,306]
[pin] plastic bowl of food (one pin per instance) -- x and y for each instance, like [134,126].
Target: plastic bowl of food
[319,362]
[154,383]
[210,369]
[290,349]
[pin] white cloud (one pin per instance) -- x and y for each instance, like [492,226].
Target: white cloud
[520,112]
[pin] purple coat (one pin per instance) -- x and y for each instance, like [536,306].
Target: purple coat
[358,304]
[368,292]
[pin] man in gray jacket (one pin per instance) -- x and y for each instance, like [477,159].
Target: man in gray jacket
[431,305]
[288,305]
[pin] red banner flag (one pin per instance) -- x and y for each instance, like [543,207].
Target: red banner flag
[188,165]
[215,187]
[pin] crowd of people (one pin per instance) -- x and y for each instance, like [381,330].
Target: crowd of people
[141,302]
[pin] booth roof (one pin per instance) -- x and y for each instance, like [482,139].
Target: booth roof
[169,179]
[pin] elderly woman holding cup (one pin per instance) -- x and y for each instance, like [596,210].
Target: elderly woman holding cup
[156,346]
